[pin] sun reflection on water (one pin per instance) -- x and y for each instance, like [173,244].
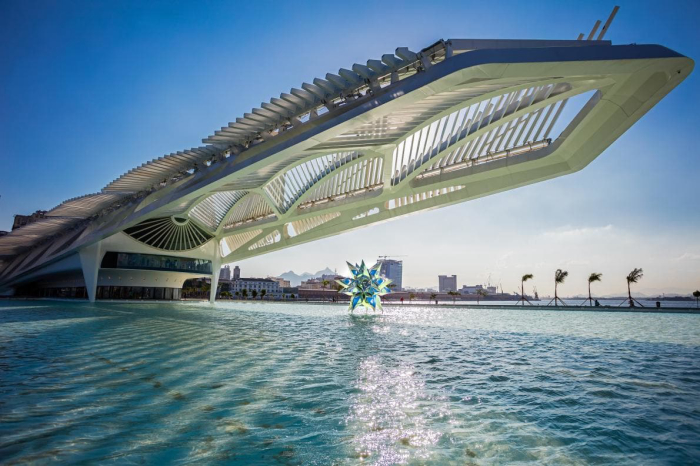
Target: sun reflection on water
[391,415]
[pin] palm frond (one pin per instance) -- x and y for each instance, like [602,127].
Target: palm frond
[595,277]
[560,275]
[635,275]
[527,277]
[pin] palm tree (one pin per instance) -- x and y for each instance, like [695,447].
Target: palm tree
[594,277]
[433,296]
[244,293]
[526,277]
[480,293]
[696,293]
[454,295]
[633,277]
[254,293]
[411,296]
[559,277]
[325,283]
[238,294]
[262,294]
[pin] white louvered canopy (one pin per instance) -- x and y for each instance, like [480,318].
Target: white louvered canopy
[300,105]
[28,235]
[84,206]
[160,169]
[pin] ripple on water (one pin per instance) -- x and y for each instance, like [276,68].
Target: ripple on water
[294,384]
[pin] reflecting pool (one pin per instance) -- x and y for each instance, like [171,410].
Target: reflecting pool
[254,383]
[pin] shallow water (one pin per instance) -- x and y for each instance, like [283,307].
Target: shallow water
[309,384]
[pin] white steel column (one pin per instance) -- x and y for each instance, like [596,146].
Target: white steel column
[90,258]
[216,270]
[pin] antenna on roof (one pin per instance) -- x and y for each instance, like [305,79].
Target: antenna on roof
[593,31]
[606,26]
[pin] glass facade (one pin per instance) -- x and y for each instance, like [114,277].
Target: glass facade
[137,292]
[127,260]
[393,270]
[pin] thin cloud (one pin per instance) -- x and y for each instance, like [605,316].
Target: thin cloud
[689,256]
[569,233]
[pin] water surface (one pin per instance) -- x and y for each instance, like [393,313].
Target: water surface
[253,383]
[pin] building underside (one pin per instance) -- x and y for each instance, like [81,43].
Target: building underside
[410,132]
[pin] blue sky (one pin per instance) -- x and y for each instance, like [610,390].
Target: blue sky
[92,89]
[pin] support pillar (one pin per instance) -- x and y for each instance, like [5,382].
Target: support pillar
[90,258]
[216,270]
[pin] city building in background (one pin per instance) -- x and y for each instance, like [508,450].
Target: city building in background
[271,287]
[393,270]
[311,284]
[473,289]
[236,272]
[447,283]
[225,273]
[330,278]
[282,282]
[324,282]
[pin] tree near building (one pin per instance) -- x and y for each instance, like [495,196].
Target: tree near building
[559,278]
[594,277]
[696,293]
[633,277]
[526,277]
[480,293]
[254,293]
[454,295]
[263,292]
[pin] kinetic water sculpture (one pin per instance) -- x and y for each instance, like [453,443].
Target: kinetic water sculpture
[366,287]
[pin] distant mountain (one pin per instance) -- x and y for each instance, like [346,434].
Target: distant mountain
[296,279]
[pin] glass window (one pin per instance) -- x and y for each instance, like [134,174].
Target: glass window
[121,260]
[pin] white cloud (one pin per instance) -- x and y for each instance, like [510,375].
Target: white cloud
[571,233]
[689,256]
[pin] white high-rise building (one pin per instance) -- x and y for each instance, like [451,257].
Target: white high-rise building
[447,283]
[393,270]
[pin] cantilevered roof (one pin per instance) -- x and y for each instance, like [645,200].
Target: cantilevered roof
[299,105]
[398,133]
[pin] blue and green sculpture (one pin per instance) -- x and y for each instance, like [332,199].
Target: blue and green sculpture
[365,287]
